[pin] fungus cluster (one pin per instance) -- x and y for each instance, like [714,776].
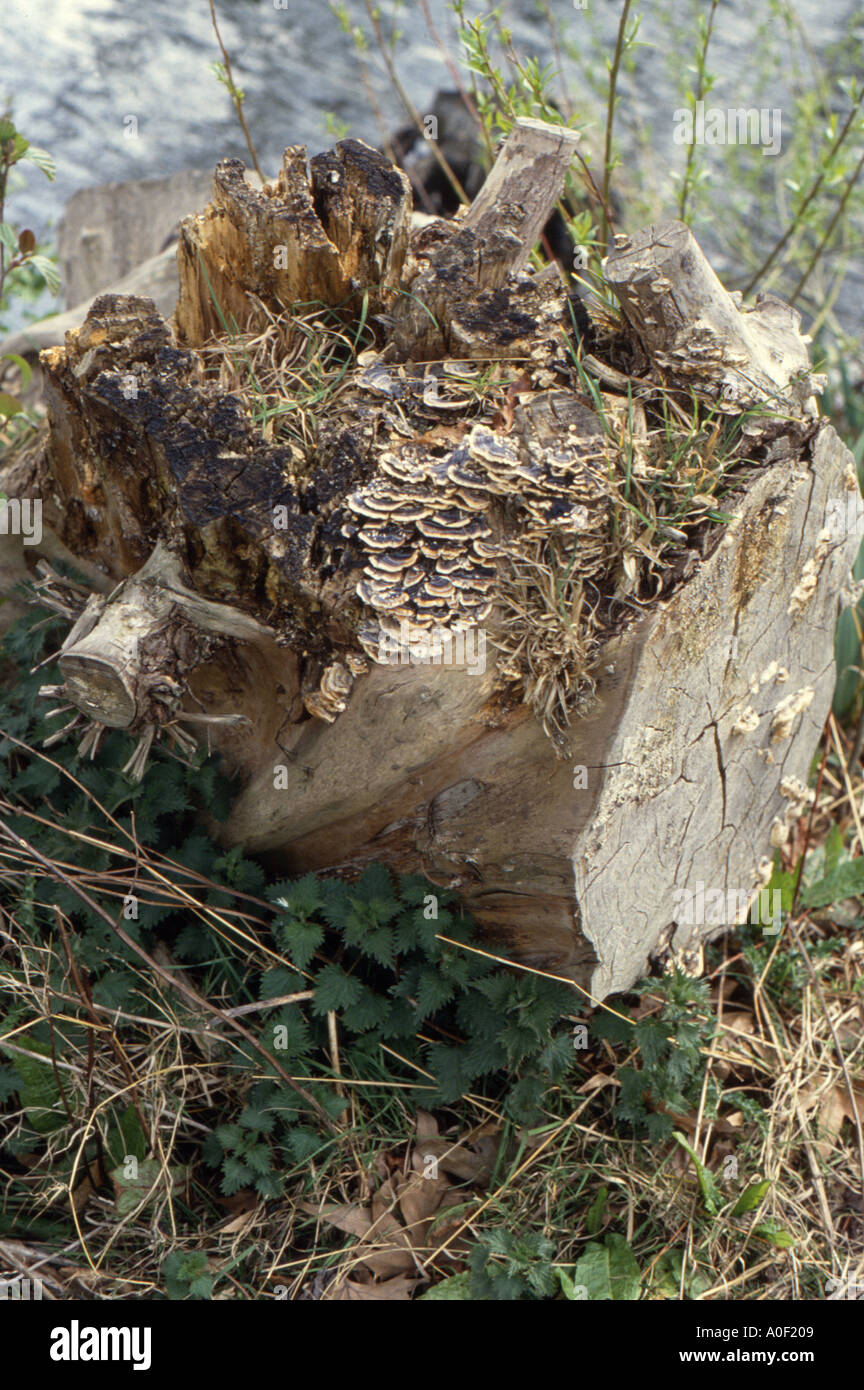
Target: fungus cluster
[331,696]
[432,530]
[424,531]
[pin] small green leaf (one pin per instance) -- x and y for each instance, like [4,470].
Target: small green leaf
[48,270]
[710,1195]
[774,1234]
[9,405]
[43,160]
[335,990]
[751,1197]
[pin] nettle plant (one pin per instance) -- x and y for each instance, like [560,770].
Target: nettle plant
[663,1074]
[395,963]
[390,962]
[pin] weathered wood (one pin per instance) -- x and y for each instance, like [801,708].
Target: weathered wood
[108,231]
[701,336]
[326,235]
[708,700]
[681,784]
[525,183]
[465,296]
[128,659]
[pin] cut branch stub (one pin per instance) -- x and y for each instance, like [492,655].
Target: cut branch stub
[125,659]
[327,238]
[515,202]
[699,336]
[461,299]
[126,662]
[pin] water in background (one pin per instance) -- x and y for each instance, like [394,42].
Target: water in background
[78,70]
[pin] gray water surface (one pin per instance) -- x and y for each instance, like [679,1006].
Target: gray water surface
[118,90]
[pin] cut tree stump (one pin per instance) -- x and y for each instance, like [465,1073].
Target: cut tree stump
[650,700]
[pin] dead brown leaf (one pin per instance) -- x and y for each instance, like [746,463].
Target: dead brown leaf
[348,1290]
[835,1106]
[407,1218]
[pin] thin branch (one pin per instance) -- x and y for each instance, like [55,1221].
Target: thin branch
[234,94]
[610,115]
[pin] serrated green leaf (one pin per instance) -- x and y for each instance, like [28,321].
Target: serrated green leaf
[48,270]
[235,1176]
[432,993]
[302,1143]
[299,939]
[299,897]
[229,1136]
[334,990]
[370,1011]
[261,1121]
[280,981]
[259,1159]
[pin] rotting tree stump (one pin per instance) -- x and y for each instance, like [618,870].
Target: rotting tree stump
[653,689]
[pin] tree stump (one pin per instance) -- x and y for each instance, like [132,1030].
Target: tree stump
[457,613]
